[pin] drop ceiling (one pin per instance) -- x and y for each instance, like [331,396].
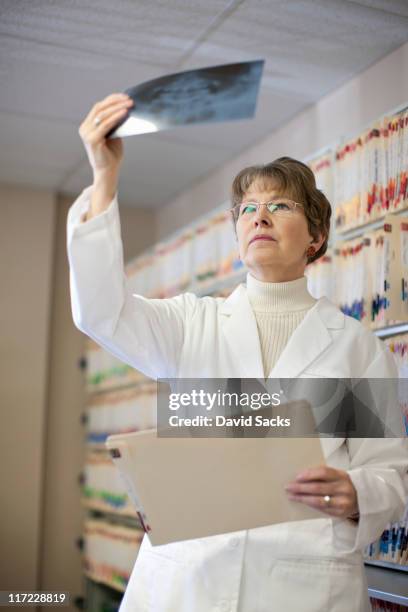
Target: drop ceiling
[58,57]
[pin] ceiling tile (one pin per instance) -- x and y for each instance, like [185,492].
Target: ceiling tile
[398,7]
[27,140]
[144,31]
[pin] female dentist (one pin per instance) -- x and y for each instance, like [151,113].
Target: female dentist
[272,327]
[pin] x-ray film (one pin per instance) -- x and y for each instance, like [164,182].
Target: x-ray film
[219,93]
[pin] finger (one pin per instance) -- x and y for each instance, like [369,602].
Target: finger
[115,100]
[337,506]
[109,111]
[106,125]
[311,488]
[321,472]
[88,129]
[106,102]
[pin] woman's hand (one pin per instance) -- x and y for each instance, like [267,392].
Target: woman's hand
[312,486]
[104,155]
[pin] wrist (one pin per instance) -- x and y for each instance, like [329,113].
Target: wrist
[106,181]
[103,191]
[104,188]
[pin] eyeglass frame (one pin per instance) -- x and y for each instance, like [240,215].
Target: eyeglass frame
[259,204]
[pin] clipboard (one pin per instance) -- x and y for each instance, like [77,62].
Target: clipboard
[187,488]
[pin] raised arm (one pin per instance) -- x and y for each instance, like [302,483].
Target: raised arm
[147,334]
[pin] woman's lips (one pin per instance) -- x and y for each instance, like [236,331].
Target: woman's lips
[267,238]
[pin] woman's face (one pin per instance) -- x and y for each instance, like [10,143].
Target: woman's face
[280,255]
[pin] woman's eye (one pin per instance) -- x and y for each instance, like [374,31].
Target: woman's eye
[281,205]
[248,208]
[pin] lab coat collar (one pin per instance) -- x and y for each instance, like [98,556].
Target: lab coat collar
[307,342]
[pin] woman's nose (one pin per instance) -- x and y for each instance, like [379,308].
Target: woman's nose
[262,217]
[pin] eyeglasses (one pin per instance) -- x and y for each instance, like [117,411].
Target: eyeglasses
[279,207]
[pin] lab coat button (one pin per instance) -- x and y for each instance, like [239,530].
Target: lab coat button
[234,542]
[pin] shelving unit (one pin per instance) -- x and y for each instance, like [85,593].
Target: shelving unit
[391,330]
[112,585]
[98,509]
[104,597]
[104,497]
[387,565]
[372,225]
[390,585]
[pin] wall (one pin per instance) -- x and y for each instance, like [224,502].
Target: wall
[376,91]
[26,239]
[138,227]
[64,444]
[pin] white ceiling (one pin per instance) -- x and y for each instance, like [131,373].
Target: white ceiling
[58,57]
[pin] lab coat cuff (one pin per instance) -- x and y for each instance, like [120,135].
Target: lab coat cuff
[374,509]
[76,226]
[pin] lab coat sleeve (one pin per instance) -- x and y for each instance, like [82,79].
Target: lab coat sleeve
[379,467]
[146,333]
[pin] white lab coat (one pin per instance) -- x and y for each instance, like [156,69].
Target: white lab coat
[311,566]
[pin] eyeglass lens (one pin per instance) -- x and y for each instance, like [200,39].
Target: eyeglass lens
[278,207]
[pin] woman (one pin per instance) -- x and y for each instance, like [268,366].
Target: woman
[272,327]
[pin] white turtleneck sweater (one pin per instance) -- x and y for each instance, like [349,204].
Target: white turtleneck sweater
[278,309]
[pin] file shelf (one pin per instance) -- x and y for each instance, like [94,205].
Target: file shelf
[388,585]
[371,225]
[387,565]
[117,401]
[110,549]
[104,598]
[100,508]
[95,577]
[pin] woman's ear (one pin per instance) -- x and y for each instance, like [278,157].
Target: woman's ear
[318,242]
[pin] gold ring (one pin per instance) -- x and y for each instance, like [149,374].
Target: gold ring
[327,500]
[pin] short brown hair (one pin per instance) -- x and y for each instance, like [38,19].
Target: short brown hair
[297,181]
